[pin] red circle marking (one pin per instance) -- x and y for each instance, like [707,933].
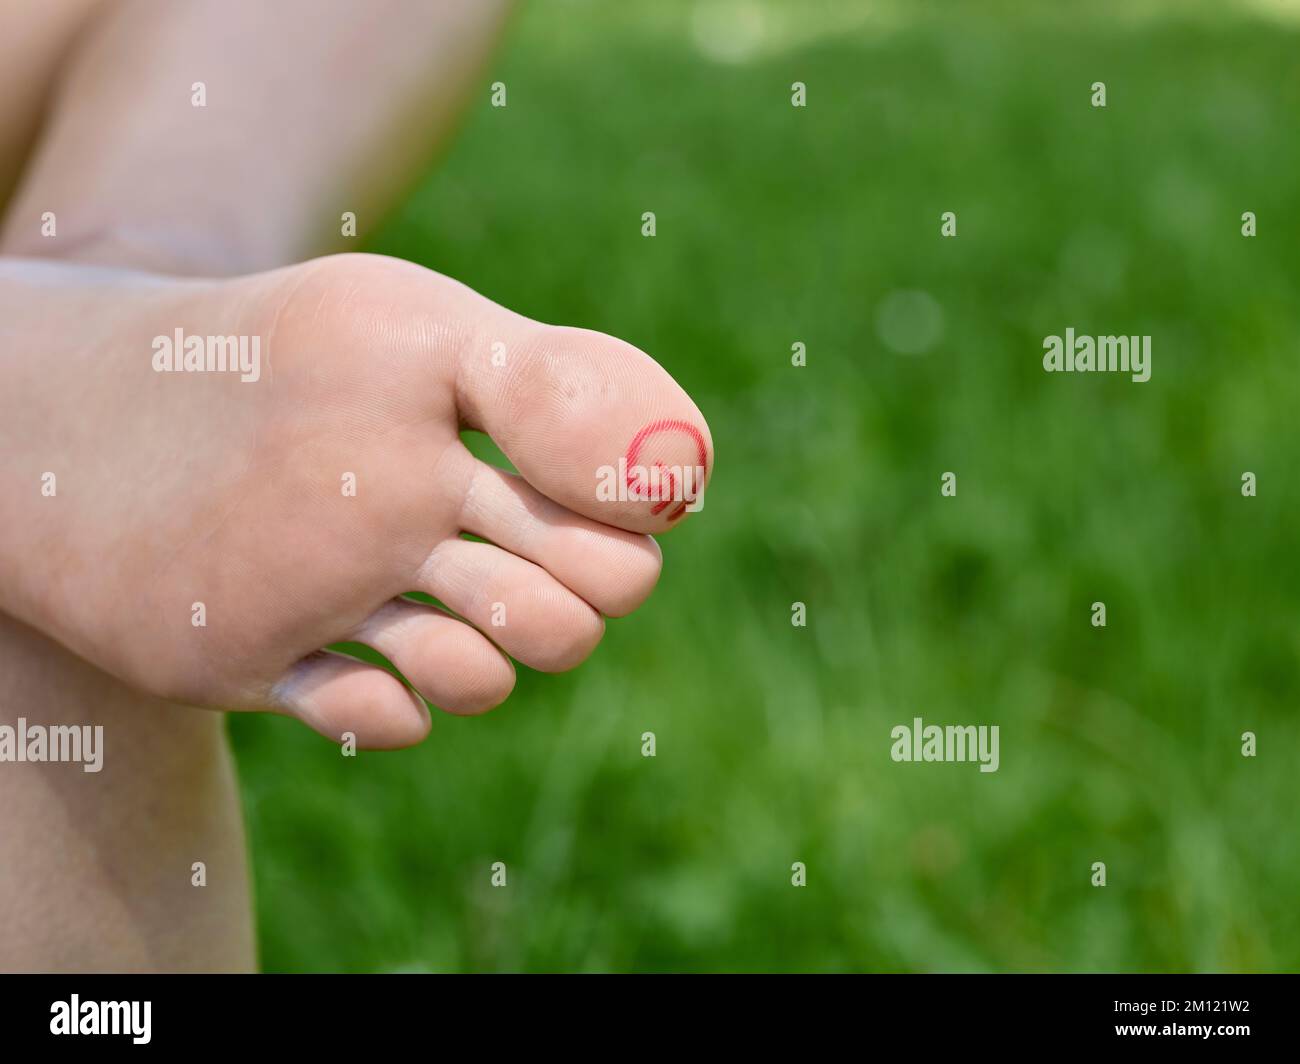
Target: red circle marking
[632,460]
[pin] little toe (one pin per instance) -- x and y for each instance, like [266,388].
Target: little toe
[336,696]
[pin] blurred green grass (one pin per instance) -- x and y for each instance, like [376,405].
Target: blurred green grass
[777,225]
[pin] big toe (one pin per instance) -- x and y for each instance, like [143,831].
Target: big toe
[588,420]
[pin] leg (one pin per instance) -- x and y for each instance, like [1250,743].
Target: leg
[36,37]
[234,487]
[313,108]
[95,868]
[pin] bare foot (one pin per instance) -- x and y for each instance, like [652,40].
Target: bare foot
[203,534]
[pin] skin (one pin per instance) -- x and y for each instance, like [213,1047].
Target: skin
[36,41]
[176,488]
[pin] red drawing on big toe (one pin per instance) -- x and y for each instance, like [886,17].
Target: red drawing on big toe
[665,491]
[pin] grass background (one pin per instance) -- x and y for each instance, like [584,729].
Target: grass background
[778,224]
